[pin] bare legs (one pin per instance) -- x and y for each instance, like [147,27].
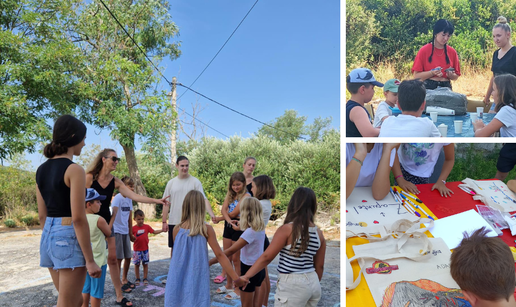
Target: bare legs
[69,284]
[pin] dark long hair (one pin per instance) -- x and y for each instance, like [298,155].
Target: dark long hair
[300,212]
[442,25]
[68,131]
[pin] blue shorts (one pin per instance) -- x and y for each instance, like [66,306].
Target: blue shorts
[95,286]
[141,256]
[59,247]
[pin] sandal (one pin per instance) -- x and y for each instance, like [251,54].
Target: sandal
[130,285]
[124,302]
[126,288]
[145,282]
[219,279]
[222,290]
[232,296]
[137,282]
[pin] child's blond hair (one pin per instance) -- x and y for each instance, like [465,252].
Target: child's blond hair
[193,213]
[251,214]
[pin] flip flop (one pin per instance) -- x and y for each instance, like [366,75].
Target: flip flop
[222,290]
[137,282]
[219,279]
[126,288]
[124,302]
[232,296]
[145,282]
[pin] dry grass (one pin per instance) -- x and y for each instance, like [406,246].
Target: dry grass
[473,82]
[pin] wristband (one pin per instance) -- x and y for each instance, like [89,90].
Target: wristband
[398,177]
[163,222]
[361,164]
[444,182]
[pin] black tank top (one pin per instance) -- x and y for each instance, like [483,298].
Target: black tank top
[351,128]
[108,191]
[51,185]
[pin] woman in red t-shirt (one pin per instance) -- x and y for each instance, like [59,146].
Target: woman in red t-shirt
[437,63]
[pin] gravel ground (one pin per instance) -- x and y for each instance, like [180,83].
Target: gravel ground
[24,283]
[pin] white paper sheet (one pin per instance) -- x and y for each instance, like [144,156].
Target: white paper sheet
[451,228]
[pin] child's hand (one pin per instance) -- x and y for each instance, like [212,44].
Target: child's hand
[407,186]
[215,220]
[242,281]
[478,124]
[133,238]
[443,190]
[93,269]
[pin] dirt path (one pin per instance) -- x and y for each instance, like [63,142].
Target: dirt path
[24,283]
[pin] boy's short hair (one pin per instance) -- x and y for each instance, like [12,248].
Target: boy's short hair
[484,266]
[138,212]
[353,87]
[411,95]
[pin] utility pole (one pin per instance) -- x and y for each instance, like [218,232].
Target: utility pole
[174,127]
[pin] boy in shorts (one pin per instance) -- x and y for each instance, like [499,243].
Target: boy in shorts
[99,230]
[122,226]
[483,267]
[384,109]
[141,246]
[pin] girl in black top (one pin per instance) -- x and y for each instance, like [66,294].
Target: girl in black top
[65,247]
[99,177]
[504,59]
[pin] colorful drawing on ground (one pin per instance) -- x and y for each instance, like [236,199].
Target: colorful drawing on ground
[422,293]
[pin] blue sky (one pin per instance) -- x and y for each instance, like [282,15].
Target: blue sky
[285,55]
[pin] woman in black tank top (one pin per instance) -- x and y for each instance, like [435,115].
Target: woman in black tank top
[99,177]
[65,247]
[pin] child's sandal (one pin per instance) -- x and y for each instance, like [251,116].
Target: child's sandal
[232,296]
[137,282]
[145,282]
[222,290]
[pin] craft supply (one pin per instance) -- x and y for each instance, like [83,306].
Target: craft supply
[418,207]
[412,209]
[451,228]
[506,196]
[413,197]
[467,190]
[493,217]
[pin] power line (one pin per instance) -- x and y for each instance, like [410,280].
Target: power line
[202,122]
[188,88]
[238,112]
[220,49]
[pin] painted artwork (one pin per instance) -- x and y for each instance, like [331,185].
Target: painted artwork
[395,281]
[493,193]
[365,214]
[422,293]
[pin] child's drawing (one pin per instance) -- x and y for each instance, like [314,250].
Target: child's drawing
[493,193]
[422,293]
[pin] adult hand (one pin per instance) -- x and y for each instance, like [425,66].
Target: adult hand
[437,73]
[443,190]
[215,220]
[407,186]
[162,201]
[452,75]
[487,100]
[93,269]
[478,124]
[133,238]
[164,227]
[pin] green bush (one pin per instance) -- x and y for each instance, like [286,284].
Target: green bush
[30,220]
[10,223]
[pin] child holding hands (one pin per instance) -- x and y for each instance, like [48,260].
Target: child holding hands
[141,246]
[251,243]
[188,281]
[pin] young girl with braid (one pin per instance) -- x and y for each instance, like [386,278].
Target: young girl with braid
[437,63]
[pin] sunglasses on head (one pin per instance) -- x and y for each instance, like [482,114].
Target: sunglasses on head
[115,159]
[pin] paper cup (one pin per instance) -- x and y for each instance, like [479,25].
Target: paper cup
[433,116]
[458,126]
[474,117]
[480,111]
[443,129]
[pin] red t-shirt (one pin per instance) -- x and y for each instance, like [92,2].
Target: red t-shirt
[438,59]
[142,237]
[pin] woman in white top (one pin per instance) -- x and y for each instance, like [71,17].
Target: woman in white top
[369,165]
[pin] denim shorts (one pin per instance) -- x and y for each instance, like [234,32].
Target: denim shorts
[59,247]
[95,286]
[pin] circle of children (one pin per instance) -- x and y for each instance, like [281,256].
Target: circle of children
[436,65]
[82,237]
